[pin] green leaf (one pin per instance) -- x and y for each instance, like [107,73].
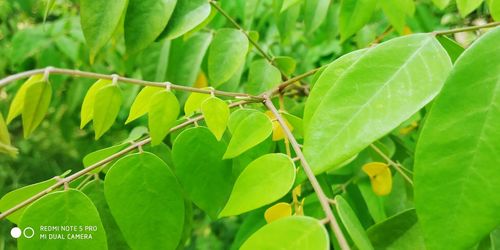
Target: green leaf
[461,145]
[16,107]
[291,233]
[374,203]
[285,4]
[144,22]
[4,132]
[19,195]
[187,15]
[352,224]
[286,64]
[354,14]
[465,7]
[261,77]
[74,209]
[163,111]
[249,132]
[87,112]
[99,20]
[36,103]
[368,99]
[95,191]
[441,4]
[226,54]
[146,201]
[206,180]
[193,103]
[402,232]
[494,7]
[397,11]
[315,13]
[107,104]
[141,103]
[216,113]
[453,48]
[260,184]
[237,116]
[100,155]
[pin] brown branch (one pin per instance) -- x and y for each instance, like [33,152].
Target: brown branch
[86,74]
[392,163]
[323,199]
[464,29]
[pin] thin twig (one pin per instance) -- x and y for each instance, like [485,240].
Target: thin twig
[96,165]
[86,74]
[392,163]
[464,29]
[323,199]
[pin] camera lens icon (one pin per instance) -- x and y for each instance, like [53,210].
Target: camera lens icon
[28,232]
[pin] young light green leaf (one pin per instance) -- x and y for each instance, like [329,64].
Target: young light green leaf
[291,233]
[237,116]
[193,103]
[397,11]
[206,180]
[95,191]
[4,132]
[144,22]
[465,7]
[403,74]
[163,111]
[142,184]
[99,20]
[249,132]
[141,103]
[494,7]
[402,231]
[187,15]
[36,103]
[100,155]
[285,4]
[16,107]
[441,4]
[19,195]
[73,209]
[315,13]
[354,14]
[352,224]
[462,144]
[263,181]
[226,54]
[262,76]
[107,104]
[216,113]
[286,64]
[87,112]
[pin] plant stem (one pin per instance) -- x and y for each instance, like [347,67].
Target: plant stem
[323,199]
[236,25]
[86,74]
[392,163]
[290,81]
[464,29]
[66,180]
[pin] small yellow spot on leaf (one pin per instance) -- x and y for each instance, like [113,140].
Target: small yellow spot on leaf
[201,81]
[277,211]
[380,177]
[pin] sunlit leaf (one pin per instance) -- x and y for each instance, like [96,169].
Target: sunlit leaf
[108,100]
[250,131]
[146,201]
[354,14]
[262,76]
[36,103]
[87,112]
[141,103]
[291,233]
[163,111]
[74,209]
[259,184]
[187,15]
[16,107]
[216,113]
[193,103]
[465,7]
[455,173]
